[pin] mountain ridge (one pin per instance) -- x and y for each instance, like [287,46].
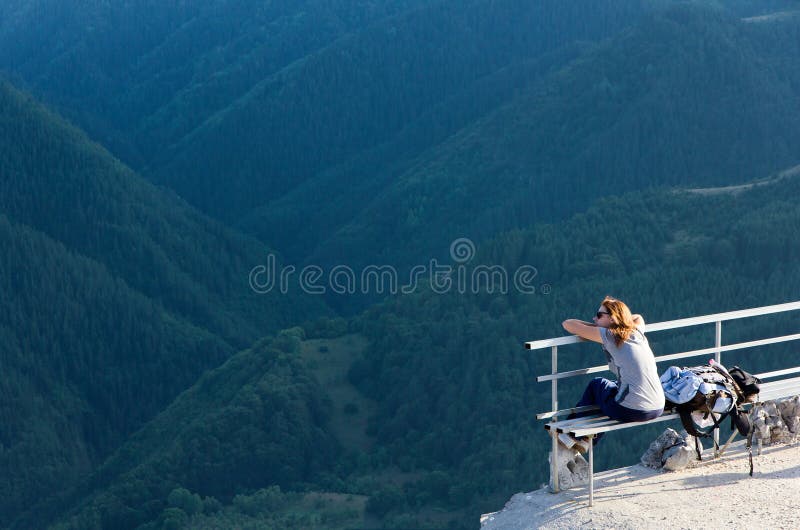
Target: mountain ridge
[118,296]
[511,186]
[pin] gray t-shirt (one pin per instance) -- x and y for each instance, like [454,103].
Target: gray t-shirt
[635,367]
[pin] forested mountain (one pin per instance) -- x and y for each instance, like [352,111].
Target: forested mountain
[116,297]
[258,420]
[645,149]
[140,75]
[58,182]
[85,361]
[688,97]
[233,106]
[365,89]
[421,121]
[454,387]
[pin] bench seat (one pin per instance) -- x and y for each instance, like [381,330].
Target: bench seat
[596,423]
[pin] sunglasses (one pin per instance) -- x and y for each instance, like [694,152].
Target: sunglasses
[601,313]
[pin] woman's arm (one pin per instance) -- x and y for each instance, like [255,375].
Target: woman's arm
[583,329]
[639,321]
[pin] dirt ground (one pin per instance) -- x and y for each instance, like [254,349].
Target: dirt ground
[712,494]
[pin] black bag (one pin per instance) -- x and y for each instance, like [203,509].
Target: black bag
[747,382]
[706,410]
[704,413]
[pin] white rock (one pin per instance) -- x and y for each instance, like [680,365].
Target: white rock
[653,456]
[790,413]
[666,447]
[573,469]
[679,457]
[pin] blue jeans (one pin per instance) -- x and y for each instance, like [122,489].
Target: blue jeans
[601,392]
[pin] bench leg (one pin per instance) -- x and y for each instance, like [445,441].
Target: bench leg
[554,462]
[591,471]
[724,447]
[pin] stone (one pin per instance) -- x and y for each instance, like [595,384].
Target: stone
[761,428]
[769,426]
[573,469]
[671,451]
[679,457]
[653,457]
[790,414]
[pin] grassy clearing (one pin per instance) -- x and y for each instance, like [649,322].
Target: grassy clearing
[336,510]
[330,359]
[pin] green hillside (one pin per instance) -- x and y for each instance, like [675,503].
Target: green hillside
[117,296]
[58,182]
[138,76]
[449,389]
[645,149]
[258,420]
[689,97]
[85,358]
[285,89]
[363,89]
[260,423]
[319,144]
[456,390]
[319,207]
[325,149]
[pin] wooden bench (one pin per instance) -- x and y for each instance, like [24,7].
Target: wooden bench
[595,423]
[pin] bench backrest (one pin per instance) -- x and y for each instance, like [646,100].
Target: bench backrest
[554,376]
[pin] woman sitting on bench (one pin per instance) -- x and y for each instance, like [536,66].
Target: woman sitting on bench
[637,394]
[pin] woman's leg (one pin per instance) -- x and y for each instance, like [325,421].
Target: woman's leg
[600,392]
[603,393]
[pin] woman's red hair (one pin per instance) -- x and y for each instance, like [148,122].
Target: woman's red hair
[622,325]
